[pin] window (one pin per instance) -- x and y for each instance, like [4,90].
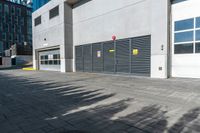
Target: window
[184,36]
[4,36]
[197,35]
[1,48]
[6,9]
[184,24]
[183,48]
[37,20]
[197,48]
[0,7]
[54,12]
[50,59]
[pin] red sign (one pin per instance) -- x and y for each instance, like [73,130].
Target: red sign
[114,37]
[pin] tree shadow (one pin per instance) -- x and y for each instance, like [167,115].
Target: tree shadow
[32,105]
[189,122]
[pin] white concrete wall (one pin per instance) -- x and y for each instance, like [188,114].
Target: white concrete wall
[53,30]
[185,65]
[98,20]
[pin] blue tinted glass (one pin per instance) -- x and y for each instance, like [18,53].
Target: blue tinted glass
[183,37]
[198,22]
[184,24]
[183,48]
[197,35]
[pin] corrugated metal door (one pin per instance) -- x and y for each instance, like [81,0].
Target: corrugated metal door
[109,57]
[87,57]
[123,56]
[97,52]
[141,55]
[79,58]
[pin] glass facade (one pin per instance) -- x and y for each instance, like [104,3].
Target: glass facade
[38,3]
[15,25]
[187,36]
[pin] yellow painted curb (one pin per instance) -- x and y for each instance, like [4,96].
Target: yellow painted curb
[28,69]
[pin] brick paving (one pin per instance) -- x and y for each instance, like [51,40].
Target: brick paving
[52,102]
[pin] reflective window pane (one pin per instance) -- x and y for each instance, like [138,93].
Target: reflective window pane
[197,35]
[183,36]
[197,48]
[198,22]
[184,24]
[183,48]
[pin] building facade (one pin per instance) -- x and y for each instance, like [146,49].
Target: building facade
[15,25]
[137,37]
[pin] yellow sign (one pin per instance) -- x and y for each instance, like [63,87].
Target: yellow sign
[135,51]
[111,50]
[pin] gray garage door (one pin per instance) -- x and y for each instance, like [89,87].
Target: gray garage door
[141,60]
[79,58]
[131,56]
[87,58]
[123,56]
[109,57]
[49,60]
[97,57]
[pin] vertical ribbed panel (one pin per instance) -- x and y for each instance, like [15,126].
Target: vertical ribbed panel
[79,58]
[87,57]
[108,59]
[122,56]
[141,63]
[97,57]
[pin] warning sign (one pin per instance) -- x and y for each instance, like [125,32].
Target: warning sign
[99,54]
[135,51]
[111,50]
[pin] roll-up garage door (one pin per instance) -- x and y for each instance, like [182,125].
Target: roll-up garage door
[79,58]
[109,57]
[97,52]
[49,60]
[87,58]
[141,55]
[123,56]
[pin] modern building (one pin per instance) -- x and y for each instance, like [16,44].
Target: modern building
[159,39]
[15,27]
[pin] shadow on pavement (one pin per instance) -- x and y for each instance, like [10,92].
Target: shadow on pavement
[33,106]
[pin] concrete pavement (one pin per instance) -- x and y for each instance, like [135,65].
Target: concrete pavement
[52,102]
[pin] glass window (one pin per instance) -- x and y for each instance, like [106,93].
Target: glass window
[198,22]
[183,37]
[184,24]
[55,62]
[37,20]
[46,62]
[0,7]
[46,57]
[197,35]
[1,47]
[197,48]
[50,62]
[6,8]
[54,12]
[183,48]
